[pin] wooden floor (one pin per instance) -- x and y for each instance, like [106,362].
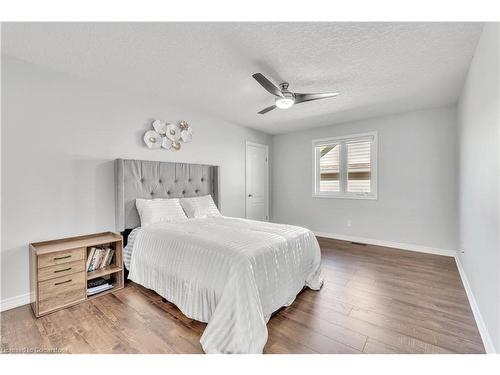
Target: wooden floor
[375,300]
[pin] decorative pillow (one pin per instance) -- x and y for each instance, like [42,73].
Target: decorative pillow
[159,210]
[203,206]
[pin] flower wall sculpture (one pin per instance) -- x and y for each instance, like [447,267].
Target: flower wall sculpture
[168,136]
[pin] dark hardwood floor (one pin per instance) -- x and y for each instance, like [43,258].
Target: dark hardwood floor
[375,300]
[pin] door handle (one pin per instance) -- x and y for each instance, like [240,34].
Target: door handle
[250,195]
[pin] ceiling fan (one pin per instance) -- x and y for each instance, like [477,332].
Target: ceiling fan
[285,99]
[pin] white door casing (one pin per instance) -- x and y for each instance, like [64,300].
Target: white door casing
[257,181]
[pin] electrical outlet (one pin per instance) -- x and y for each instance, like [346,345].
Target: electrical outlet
[348,222]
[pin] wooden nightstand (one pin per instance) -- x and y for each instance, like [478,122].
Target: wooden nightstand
[58,274]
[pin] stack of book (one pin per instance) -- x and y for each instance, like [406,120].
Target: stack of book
[98,285]
[99,257]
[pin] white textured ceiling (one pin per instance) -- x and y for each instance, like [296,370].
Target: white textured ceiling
[379,68]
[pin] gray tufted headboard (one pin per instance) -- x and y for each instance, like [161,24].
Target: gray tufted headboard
[158,179]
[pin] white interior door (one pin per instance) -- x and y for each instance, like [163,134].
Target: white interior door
[257,182]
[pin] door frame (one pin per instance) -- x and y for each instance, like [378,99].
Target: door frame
[266,147]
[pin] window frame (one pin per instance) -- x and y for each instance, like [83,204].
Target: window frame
[342,142]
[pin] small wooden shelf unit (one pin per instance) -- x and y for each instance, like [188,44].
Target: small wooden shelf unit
[58,274]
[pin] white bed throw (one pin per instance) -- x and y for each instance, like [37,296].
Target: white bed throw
[231,273]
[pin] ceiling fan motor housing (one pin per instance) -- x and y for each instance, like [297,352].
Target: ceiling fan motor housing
[288,98]
[284,86]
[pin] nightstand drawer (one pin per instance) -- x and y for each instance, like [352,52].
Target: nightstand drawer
[60,292]
[66,256]
[60,270]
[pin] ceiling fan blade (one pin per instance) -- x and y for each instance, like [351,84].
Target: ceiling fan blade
[267,84]
[301,98]
[265,110]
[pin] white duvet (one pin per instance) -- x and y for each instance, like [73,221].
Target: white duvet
[231,273]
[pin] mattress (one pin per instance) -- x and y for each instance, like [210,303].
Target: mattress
[228,272]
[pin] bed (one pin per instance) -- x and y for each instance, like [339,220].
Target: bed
[229,272]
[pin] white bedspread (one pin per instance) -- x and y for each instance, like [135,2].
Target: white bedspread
[231,273]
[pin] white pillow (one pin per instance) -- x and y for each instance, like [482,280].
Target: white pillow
[203,206]
[159,210]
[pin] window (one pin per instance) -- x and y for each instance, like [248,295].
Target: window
[346,167]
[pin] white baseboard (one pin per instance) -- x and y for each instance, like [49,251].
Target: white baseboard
[485,336]
[396,245]
[16,301]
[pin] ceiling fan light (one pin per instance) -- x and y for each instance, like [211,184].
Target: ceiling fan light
[284,103]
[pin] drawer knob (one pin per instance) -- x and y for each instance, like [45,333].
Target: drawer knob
[63,282]
[64,257]
[66,269]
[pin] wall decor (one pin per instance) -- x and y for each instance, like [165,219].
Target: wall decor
[168,136]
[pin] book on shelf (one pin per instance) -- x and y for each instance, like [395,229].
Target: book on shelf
[99,289]
[97,282]
[99,258]
[90,257]
[108,257]
[100,284]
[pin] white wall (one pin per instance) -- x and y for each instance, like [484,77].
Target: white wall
[416,182]
[479,171]
[60,136]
